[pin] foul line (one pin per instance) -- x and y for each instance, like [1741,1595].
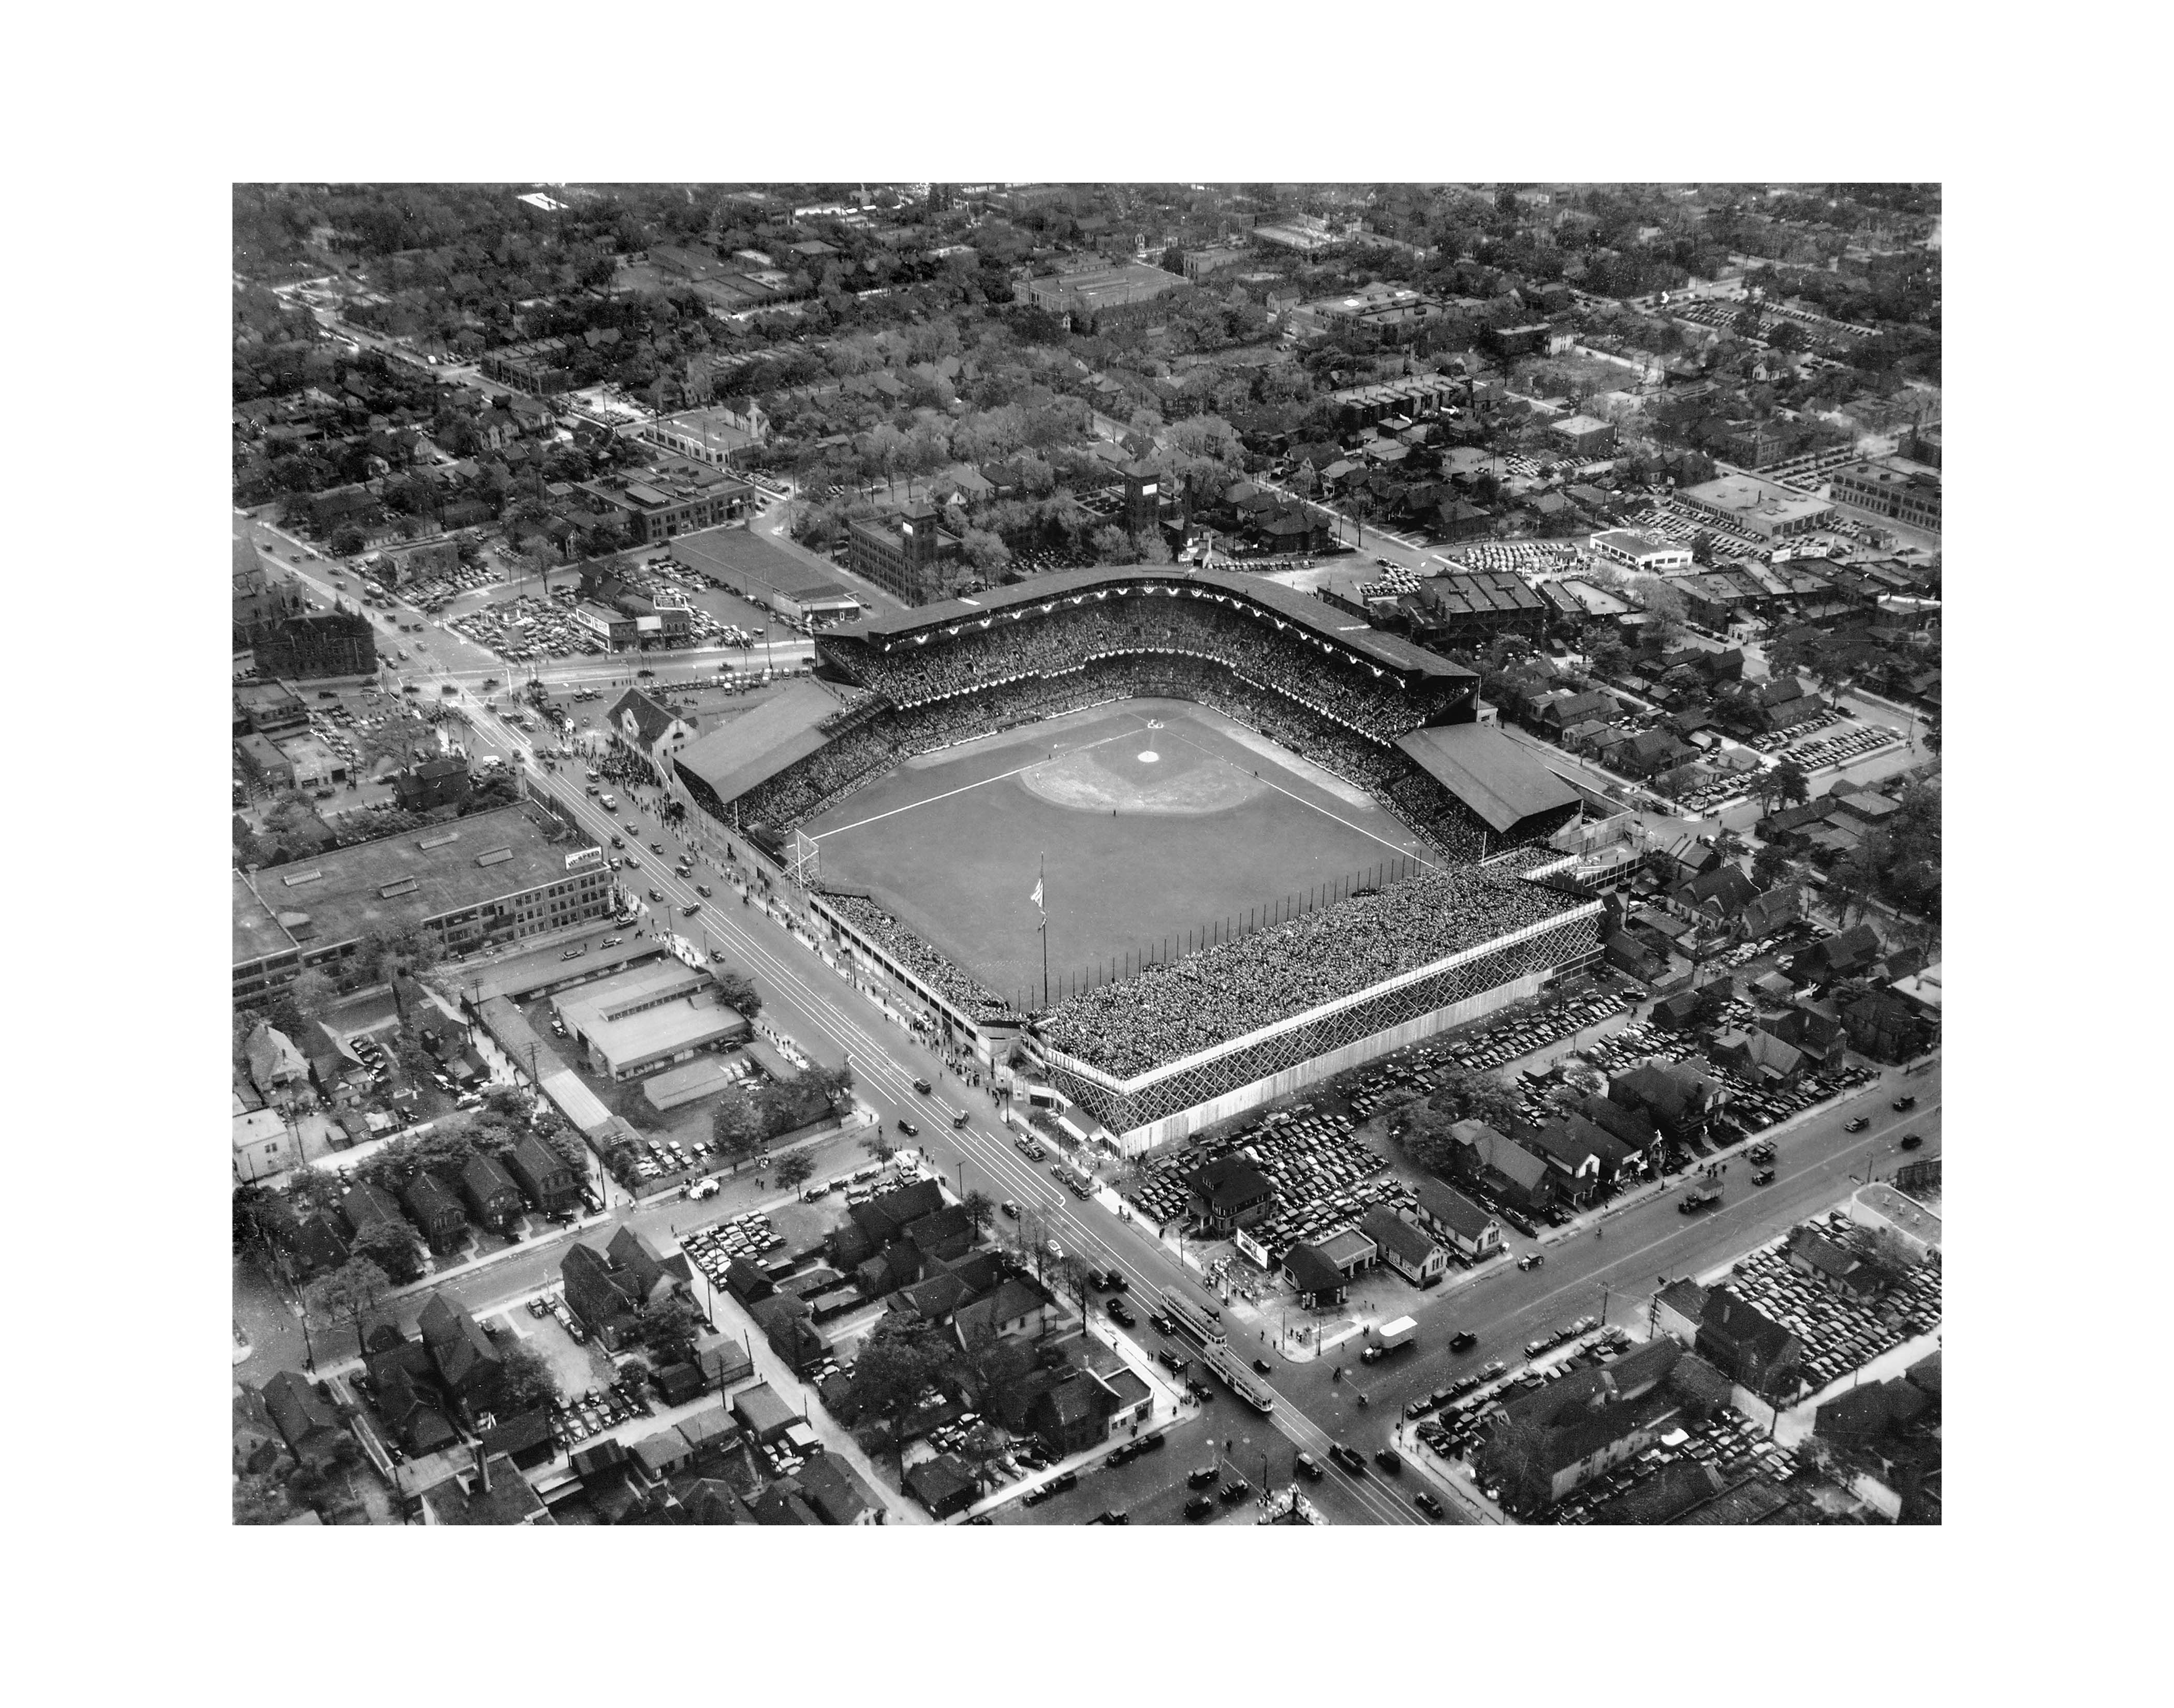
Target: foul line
[916,806]
[1313,805]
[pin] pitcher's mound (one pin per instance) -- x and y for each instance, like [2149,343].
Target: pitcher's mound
[1101,781]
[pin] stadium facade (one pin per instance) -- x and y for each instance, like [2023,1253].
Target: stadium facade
[1181,1097]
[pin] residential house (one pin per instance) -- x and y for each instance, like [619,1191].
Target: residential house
[785,1324]
[1504,1167]
[466,1360]
[274,1062]
[365,1206]
[1846,954]
[492,1197]
[1679,1309]
[1229,1193]
[1679,1100]
[304,1418]
[1815,1030]
[1551,1441]
[1585,1156]
[1769,912]
[1834,1265]
[1715,898]
[1760,1056]
[942,1485]
[1452,1217]
[495,1493]
[403,1392]
[1017,1309]
[1747,1345]
[1885,1026]
[258,1445]
[551,1183]
[839,1493]
[1404,1247]
[436,1212]
[310,1244]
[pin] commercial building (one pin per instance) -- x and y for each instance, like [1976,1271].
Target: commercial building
[664,505]
[1199,263]
[899,556]
[1641,551]
[1890,486]
[1102,296]
[482,882]
[1380,307]
[1582,436]
[720,436]
[1758,508]
[649,1017]
[614,629]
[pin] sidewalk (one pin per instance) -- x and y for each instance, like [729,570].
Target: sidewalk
[527,1248]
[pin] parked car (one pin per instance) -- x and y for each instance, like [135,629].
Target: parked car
[1427,1504]
[1009,1209]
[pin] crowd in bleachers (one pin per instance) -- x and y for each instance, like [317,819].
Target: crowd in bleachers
[1252,646]
[938,971]
[1224,992]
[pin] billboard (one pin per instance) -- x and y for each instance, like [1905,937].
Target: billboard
[584,857]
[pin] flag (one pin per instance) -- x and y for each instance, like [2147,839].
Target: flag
[1037,897]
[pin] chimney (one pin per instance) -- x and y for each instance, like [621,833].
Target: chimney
[483,1467]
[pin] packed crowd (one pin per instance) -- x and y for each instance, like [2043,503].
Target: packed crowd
[1250,645]
[873,747]
[936,970]
[1231,989]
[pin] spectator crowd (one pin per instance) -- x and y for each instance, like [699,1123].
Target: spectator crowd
[1224,992]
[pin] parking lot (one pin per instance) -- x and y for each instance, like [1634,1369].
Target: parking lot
[1324,1176]
[1839,1334]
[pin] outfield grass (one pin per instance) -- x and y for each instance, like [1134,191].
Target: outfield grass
[1147,848]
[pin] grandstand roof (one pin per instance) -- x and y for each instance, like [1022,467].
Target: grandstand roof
[1500,780]
[761,742]
[1390,652]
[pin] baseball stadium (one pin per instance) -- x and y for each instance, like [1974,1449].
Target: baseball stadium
[1184,841]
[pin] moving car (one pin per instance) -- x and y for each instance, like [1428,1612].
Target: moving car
[1463,1341]
[1910,1141]
[1765,1178]
[1120,1315]
[923,1087]
[908,1128]
[1908,1101]
[577,949]
[1530,1259]
[1308,1467]
[1350,1460]
[1204,1477]
[1009,1209]
[1263,1366]
[1427,1504]
[1856,1123]
[1390,1460]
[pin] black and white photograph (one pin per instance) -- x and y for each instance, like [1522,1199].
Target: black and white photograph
[1100,852]
[1059,853]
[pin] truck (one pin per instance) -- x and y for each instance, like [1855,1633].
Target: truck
[1698,1198]
[1389,1337]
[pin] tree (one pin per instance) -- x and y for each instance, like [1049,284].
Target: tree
[262,1500]
[310,1189]
[1469,1096]
[897,1364]
[1113,545]
[1785,784]
[1769,866]
[529,1380]
[667,1327]
[346,1294]
[389,1247]
[736,1125]
[878,1144]
[794,1169]
[738,992]
[980,1210]
[313,995]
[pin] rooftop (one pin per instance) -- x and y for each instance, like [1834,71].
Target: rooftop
[399,881]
